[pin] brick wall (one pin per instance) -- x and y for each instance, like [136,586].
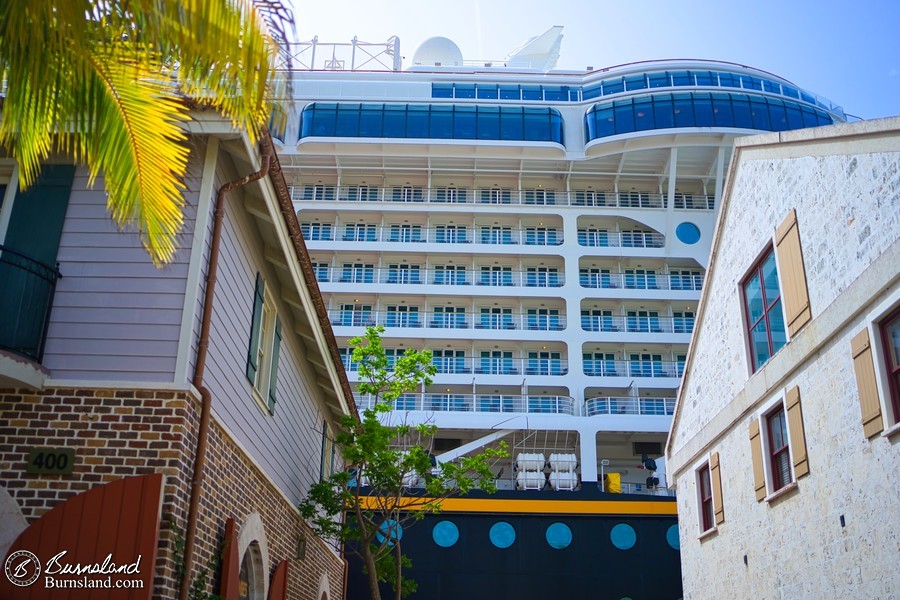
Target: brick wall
[121,433]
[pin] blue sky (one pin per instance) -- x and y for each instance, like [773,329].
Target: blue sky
[848,52]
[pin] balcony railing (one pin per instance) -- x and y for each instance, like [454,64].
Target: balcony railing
[629,406]
[464,320]
[620,239]
[633,368]
[538,236]
[639,324]
[436,276]
[27,297]
[644,281]
[478,403]
[479,365]
[488,196]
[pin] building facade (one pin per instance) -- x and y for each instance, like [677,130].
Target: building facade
[784,441]
[544,233]
[101,404]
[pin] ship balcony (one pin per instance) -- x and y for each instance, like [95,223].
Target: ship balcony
[28,289]
[647,368]
[364,195]
[458,275]
[593,278]
[477,403]
[594,237]
[412,318]
[318,234]
[448,363]
[638,324]
[606,405]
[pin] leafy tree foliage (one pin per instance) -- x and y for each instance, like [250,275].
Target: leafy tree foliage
[382,461]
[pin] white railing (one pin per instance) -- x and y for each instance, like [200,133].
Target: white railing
[641,281]
[436,276]
[478,403]
[478,365]
[637,324]
[629,406]
[465,320]
[419,234]
[620,239]
[489,196]
[597,367]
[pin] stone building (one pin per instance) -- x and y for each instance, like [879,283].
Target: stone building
[109,384]
[784,443]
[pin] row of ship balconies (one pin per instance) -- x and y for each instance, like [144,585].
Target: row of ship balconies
[506,275]
[492,235]
[512,403]
[499,195]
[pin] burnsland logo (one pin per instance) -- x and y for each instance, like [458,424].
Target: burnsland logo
[22,568]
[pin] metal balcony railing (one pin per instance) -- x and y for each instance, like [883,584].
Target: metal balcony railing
[595,238]
[28,287]
[478,403]
[488,196]
[478,365]
[464,320]
[438,234]
[633,368]
[638,324]
[641,281]
[629,406]
[491,276]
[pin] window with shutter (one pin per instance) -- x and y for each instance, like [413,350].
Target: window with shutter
[706,497]
[759,474]
[716,477]
[796,435]
[890,338]
[793,274]
[864,368]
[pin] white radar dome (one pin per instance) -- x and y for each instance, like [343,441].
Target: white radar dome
[438,52]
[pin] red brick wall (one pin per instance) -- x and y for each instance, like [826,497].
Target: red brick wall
[119,433]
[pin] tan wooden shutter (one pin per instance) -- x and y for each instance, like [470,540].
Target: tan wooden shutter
[793,275]
[796,433]
[716,480]
[759,476]
[864,365]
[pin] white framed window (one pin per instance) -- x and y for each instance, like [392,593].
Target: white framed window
[778,446]
[875,350]
[265,347]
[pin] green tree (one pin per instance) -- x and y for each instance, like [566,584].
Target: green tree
[381,461]
[109,84]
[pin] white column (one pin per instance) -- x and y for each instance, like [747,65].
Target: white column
[588,444]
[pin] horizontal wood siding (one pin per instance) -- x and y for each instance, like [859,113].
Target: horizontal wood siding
[287,445]
[115,316]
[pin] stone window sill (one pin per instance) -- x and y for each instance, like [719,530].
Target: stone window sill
[891,431]
[789,488]
[708,534]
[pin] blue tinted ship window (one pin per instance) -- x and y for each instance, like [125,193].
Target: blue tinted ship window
[806,97]
[703,115]
[760,113]
[624,115]
[777,115]
[740,104]
[635,82]
[555,94]
[573,95]
[659,80]
[794,118]
[729,80]
[537,124]
[771,86]
[442,90]
[613,86]
[531,92]
[416,122]
[722,114]
[441,122]
[789,91]
[682,78]
[370,120]
[750,83]
[809,117]
[684,110]
[488,123]
[824,119]
[464,123]
[463,91]
[395,120]
[590,92]
[486,92]
[347,120]
[643,114]
[511,124]
[662,111]
[706,78]
[556,127]
[323,117]
[509,92]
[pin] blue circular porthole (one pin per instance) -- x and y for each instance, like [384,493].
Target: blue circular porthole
[623,536]
[688,233]
[389,530]
[445,534]
[559,536]
[502,534]
[672,537]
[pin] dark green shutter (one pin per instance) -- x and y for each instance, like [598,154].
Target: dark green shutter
[273,379]
[258,299]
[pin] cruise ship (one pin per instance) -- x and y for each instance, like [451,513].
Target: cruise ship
[543,232]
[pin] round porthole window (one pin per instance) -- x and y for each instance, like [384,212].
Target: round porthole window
[559,536]
[623,536]
[687,233]
[502,534]
[672,537]
[445,534]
